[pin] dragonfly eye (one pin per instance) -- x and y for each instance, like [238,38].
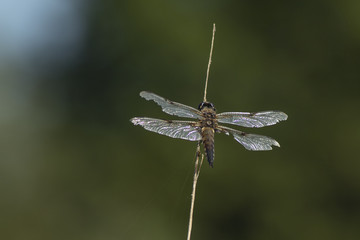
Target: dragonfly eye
[212,106]
[206,104]
[201,105]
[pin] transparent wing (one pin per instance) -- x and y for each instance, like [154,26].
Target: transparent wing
[176,129]
[252,142]
[258,119]
[172,108]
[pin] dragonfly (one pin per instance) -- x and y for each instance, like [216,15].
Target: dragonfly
[207,124]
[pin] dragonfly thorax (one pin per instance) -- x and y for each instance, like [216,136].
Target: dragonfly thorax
[208,117]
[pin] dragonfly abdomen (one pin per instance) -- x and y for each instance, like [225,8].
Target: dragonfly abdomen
[208,141]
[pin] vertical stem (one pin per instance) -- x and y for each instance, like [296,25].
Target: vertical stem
[198,153]
[196,176]
[208,68]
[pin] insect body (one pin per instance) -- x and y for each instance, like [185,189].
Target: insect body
[207,125]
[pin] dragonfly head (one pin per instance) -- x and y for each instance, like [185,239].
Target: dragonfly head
[206,105]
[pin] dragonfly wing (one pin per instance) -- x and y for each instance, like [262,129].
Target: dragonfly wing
[252,142]
[170,107]
[257,119]
[176,129]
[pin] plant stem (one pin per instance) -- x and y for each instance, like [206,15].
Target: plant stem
[208,68]
[196,176]
[198,153]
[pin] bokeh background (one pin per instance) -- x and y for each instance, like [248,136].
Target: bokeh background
[72,166]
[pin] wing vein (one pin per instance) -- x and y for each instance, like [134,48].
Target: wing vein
[252,142]
[247,119]
[176,129]
[172,108]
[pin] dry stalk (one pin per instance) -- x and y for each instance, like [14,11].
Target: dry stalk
[196,176]
[210,57]
[198,152]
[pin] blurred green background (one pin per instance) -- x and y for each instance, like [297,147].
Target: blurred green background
[72,166]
